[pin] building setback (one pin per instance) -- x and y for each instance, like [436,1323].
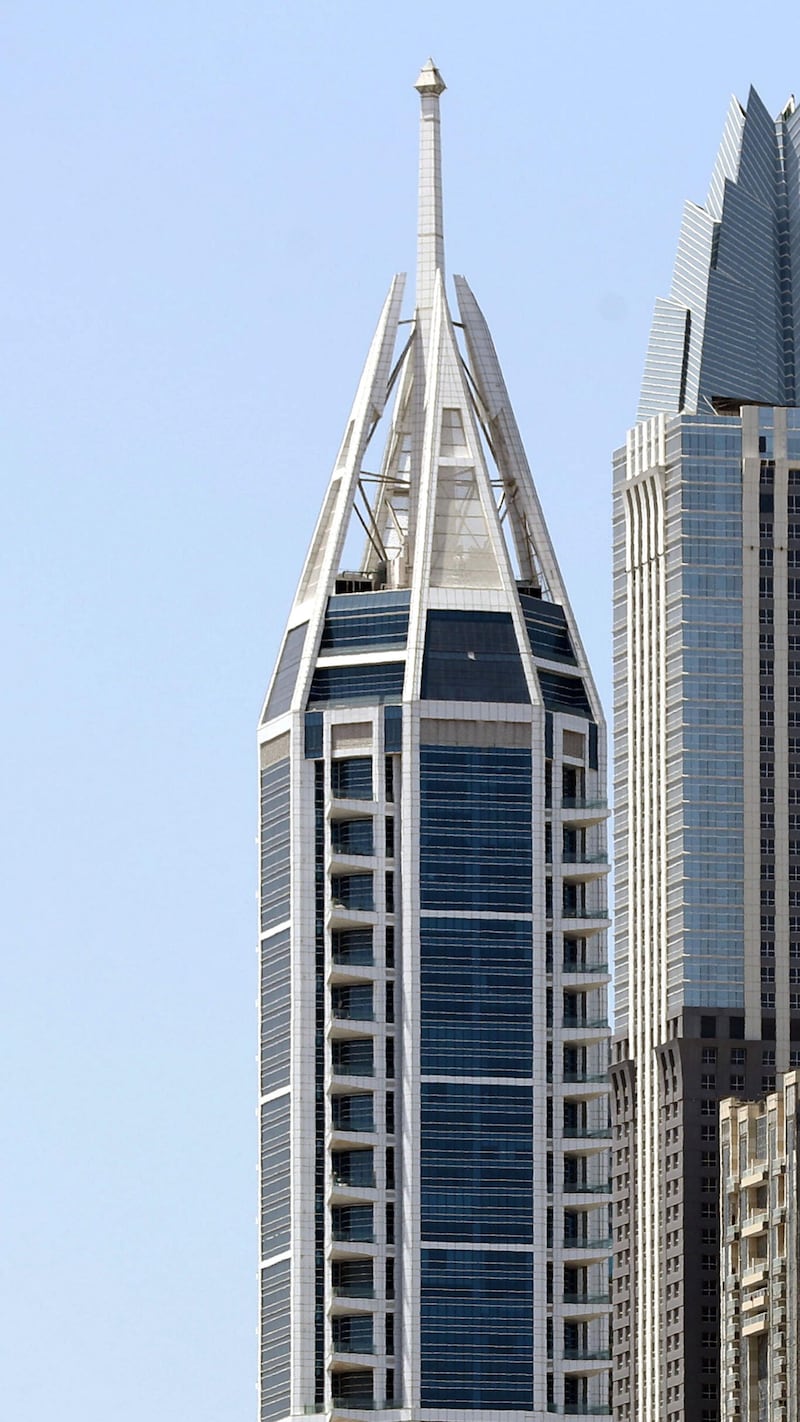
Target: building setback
[707,732]
[759,1218]
[434,1090]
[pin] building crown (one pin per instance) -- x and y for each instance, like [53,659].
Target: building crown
[729,332]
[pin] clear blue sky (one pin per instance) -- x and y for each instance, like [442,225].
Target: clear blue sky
[204,203]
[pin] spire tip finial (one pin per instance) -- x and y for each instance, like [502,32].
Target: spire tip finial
[430,80]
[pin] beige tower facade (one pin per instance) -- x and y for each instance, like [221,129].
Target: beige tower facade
[759,1219]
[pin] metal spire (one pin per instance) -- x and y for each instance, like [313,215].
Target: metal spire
[430,230]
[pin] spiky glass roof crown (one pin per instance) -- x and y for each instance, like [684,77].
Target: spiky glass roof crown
[729,331]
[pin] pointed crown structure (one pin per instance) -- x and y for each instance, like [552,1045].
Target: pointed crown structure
[729,332]
[451,504]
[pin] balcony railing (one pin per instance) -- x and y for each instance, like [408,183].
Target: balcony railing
[576,858]
[346,1125]
[360,1404]
[580,1409]
[576,911]
[586,1298]
[355,956]
[568,967]
[582,1133]
[356,1289]
[364,1181]
[577,802]
[587,1355]
[578,1187]
[580,1022]
[571,1242]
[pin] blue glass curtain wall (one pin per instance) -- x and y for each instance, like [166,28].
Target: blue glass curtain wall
[357,685]
[275,1010]
[366,622]
[275,1177]
[477,1163]
[710,473]
[275,872]
[477,1329]
[472,656]
[476,997]
[546,625]
[285,677]
[475,828]
[275,1341]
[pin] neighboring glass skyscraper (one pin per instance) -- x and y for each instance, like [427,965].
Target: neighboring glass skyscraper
[707,728]
[434,1108]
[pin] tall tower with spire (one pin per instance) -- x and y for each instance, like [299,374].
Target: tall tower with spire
[434,1162]
[707,740]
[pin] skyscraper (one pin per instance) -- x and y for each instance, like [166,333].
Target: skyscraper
[760,1257]
[707,730]
[434,1107]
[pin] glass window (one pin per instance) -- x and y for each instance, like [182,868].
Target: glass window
[546,625]
[476,1329]
[366,621]
[351,778]
[475,837]
[476,1154]
[352,836]
[476,997]
[275,872]
[280,697]
[357,685]
[472,656]
[352,891]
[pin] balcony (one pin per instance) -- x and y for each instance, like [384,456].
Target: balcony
[596,970]
[587,1355]
[582,867]
[585,1187]
[344,861]
[586,1362]
[347,1027]
[355,1013]
[590,1246]
[581,811]
[348,1077]
[353,1112]
[354,1289]
[345,807]
[341,915]
[756,1323]
[364,1181]
[349,1407]
[755,1224]
[354,949]
[580,1409]
[352,1406]
[583,1133]
[584,1028]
